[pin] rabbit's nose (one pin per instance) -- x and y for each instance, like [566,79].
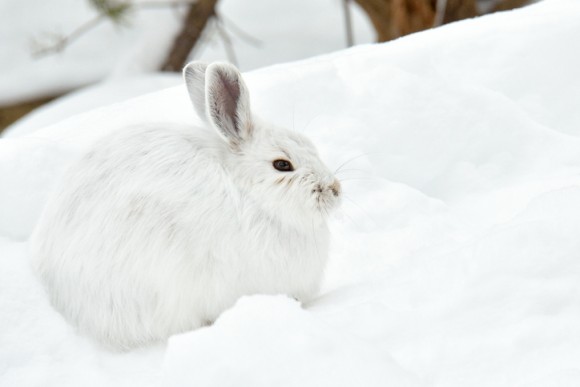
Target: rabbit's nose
[335,187]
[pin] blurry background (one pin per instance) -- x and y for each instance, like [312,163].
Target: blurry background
[52,48]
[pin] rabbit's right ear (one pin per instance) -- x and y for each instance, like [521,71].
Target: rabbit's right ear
[194,75]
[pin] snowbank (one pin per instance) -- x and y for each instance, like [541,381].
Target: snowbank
[455,260]
[89,98]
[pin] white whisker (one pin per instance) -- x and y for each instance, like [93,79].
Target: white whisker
[368,178]
[355,158]
[350,170]
[362,210]
[351,219]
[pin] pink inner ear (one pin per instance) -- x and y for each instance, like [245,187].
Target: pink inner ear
[224,101]
[231,93]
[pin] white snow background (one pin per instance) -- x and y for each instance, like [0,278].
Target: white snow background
[456,256]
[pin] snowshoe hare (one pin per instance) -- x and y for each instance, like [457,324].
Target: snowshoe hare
[157,230]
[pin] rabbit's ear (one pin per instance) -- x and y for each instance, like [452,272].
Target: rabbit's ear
[194,75]
[228,102]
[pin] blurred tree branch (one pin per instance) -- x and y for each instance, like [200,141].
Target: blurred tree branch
[192,27]
[198,14]
[59,43]
[114,10]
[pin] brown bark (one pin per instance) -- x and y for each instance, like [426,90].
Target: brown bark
[506,5]
[380,13]
[459,10]
[394,18]
[412,16]
[195,21]
[9,114]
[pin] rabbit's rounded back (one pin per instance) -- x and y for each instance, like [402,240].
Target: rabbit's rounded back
[157,230]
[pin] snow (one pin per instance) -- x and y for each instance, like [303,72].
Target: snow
[101,94]
[296,349]
[455,259]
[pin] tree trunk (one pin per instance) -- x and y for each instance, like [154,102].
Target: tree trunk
[412,16]
[380,13]
[195,21]
[506,5]
[394,18]
[459,10]
[10,114]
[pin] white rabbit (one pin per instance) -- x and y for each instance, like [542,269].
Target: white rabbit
[157,230]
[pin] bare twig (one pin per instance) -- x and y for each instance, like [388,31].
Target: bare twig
[440,8]
[240,33]
[63,41]
[348,23]
[228,46]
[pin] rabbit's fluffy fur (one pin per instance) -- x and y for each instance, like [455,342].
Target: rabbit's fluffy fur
[157,230]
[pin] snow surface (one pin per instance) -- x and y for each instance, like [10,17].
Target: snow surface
[91,97]
[456,257]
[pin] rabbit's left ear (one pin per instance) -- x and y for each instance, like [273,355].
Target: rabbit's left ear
[220,97]
[228,102]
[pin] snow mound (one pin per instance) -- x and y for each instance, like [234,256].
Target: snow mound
[296,348]
[89,98]
[455,260]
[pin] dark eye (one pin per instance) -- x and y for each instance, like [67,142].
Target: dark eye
[283,165]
